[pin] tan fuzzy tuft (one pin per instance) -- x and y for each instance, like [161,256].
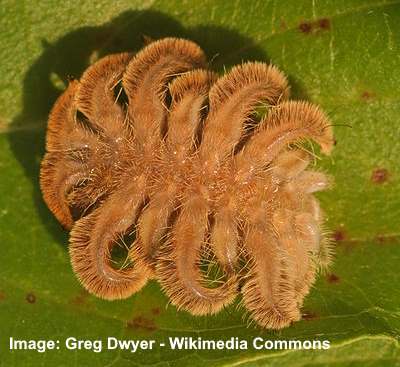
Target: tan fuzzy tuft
[62,119]
[95,97]
[68,146]
[224,239]
[56,179]
[304,116]
[233,99]
[90,262]
[287,123]
[269,292]
[153,224]
[189,93]
[178,265]
[160,56]
[197,82]
[146,79]
[297,242]
[289,164]
[268,79]
[92,239]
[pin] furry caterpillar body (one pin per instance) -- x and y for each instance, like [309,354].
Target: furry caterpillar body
[213,201]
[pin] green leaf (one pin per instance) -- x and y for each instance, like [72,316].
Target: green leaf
[343,55]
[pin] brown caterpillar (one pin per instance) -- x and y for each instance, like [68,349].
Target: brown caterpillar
[214,200]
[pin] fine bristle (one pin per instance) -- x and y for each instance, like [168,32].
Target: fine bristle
[325,255]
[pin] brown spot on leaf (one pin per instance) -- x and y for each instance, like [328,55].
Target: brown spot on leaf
[80,299]
[305,27]
[30,298]
[309,315]
[156,311]
[332,278]
[367,95]
[324,23]
[143,323]
[282,25]
[385,239]
[2,295]
[379,176]
[338,235]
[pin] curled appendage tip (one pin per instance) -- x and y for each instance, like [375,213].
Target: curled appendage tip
[268,291]
[178,267]
[90,251]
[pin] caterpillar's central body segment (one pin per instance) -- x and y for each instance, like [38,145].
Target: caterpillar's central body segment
[218,202]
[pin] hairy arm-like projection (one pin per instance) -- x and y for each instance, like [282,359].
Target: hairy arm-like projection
[212,201]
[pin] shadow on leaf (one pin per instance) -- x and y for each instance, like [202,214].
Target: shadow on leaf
[73,53]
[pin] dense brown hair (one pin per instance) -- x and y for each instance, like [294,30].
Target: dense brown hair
[155,153]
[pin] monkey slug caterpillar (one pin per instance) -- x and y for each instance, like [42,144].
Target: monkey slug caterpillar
[156,152]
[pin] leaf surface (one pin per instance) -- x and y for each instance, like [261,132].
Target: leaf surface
[342,55]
